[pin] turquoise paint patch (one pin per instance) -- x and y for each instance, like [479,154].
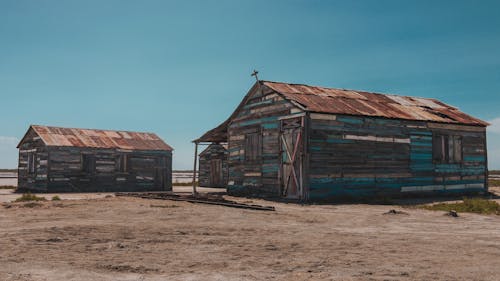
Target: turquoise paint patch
[271,169]
[253,122]
[257,104]
[428,133]
[474,158]
[270,125]
[339,141]
[385,122]
[420,143]
[420,156]
[350,120]
[448,166]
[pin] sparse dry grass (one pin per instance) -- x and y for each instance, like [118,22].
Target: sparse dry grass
[468,205]
[493,182]
[29,197]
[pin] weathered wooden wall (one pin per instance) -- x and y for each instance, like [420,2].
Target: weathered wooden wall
[211,153]
[144,170]
[259,115]
[60,169]
[37,180]
[353,156]
[346,155]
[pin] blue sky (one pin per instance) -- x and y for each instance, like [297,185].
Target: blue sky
[179,68]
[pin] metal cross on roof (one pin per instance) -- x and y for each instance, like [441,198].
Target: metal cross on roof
[254,73]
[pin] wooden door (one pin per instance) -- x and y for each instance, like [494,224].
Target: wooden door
[216,172]
[291,139]
[160,174]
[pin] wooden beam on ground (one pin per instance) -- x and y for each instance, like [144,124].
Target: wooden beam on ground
[175,197]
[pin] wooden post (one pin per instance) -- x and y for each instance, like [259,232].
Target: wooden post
[487,173]
[194,167]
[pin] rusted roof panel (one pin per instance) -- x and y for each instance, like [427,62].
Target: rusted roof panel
[57,136]
[339,101]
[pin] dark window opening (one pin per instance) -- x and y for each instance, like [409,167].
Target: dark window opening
[31,162]
[252,147]
[121,164]
[447,149]
[88,163]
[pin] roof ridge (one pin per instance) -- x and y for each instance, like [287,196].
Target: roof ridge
[98,138]
[105,130]
[352,90]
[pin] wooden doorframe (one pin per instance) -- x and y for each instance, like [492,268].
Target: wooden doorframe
[297,155]
[220,174]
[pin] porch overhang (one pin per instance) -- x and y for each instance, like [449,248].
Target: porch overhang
[216,135]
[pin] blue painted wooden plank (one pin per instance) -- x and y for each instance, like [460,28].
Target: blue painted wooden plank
[274,125]
[448,166]
[258,103]
[420,143]
[429,133]
[384,122]
[350,120]
[474,158]
[269,169]
[253,121]
[339,141]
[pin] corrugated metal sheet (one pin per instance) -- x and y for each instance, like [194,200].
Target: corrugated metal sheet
[338,101]
[57,136]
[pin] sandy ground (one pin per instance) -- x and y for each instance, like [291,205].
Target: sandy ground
[120,238]
[8,195]
[8,181]
[9,178]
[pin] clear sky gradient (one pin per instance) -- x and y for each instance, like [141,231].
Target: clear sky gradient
[179,68]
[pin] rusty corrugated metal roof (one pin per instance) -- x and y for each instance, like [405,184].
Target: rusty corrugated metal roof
[57,136]
[339,101]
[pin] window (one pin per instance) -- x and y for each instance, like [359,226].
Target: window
[88,163]
[31,162]
[252,147]
[447,149]
[121,163]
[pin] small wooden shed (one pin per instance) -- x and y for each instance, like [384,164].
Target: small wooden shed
[213,166]
[55,159]
[315,143]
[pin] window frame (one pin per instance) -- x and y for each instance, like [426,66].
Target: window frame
[32,162]
[88,164]
[450,149]
[253,147]
[122,163]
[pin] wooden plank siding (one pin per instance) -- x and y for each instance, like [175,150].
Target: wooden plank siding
[353,146]
[213,153]
[144,171]
[87,169]
[353,156]
[35,180]
[257,176]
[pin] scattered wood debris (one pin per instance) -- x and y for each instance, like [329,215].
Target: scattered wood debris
[395,212]
[210,199]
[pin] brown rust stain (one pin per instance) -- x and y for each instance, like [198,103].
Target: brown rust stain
[57,136]
[339,101]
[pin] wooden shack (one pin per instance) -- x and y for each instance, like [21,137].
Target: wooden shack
[314,143]
[54,159]
[213,166]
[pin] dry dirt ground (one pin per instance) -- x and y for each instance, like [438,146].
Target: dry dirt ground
[122,238]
